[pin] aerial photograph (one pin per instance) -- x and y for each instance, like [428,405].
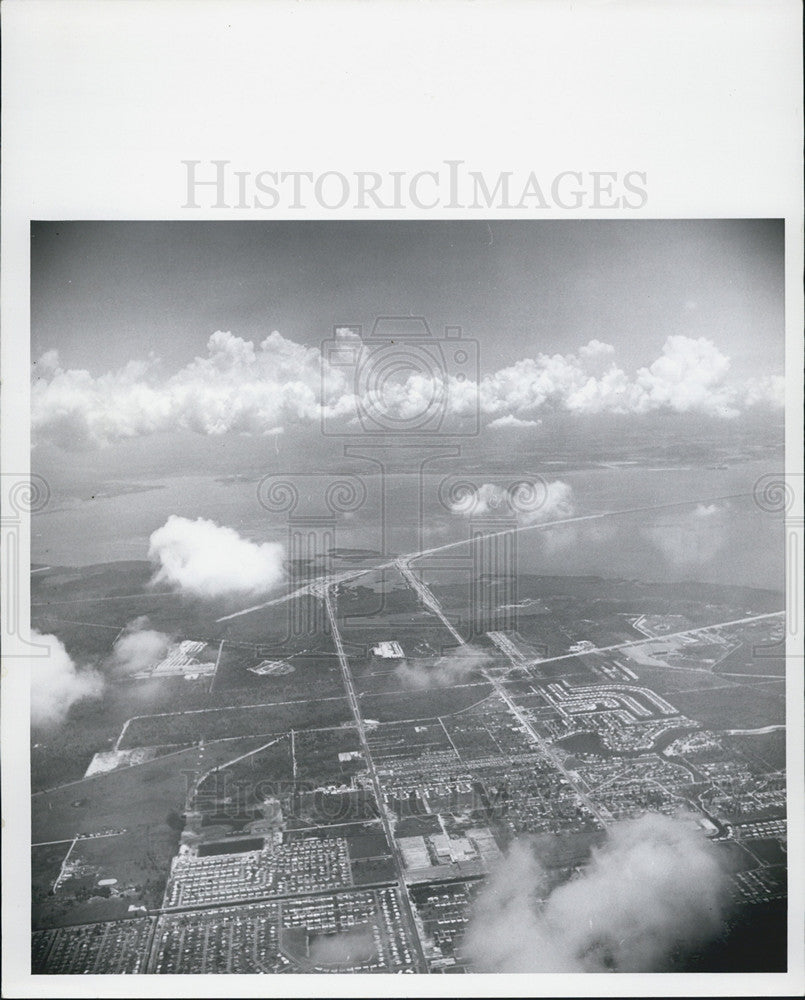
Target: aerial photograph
[410,597]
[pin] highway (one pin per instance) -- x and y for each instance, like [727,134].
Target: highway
[315,586]
[540,525]
[548,752]
[429,600]
[427,597]
[655,639]
[343,659]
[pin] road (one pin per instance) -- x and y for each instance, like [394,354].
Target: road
[343,659]
[222,767]
[658,638]
[315,586]
[547,751]
[541,525]
[427,597]
[430,601]
[754,732]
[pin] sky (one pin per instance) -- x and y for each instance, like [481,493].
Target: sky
[105,292]
[195,350]
[159,330]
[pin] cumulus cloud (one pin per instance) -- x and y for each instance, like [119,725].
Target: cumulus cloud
[453,667]
[242,387]
[529,501]
[49,362]
[236,387]
[203,559]
[57,683]
[654,887]
[138,647]
[689,376]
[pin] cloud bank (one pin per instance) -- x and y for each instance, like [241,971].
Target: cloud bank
[240,387]
[203,559]
[57,683]
[656,886]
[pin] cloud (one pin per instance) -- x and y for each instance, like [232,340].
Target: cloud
[692,538]
[353,946]
[202,559]
[690,376]
[766,390]
[512,421]
[588,537]
[596,349]
[238,386]
[49,361]
[452,668]
[528,501]
[138,647]
[57,683]
[703,510]
[654,887]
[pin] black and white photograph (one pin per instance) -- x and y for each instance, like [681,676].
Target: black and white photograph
[413,597]
[402,499]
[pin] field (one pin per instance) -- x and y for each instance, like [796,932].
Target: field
[766,751]
[316,755]
[747,659]
[322,808]
[140,807]
[732,708]
[393,706]
[315,670]
[132,861]
[143,795]
[669,680]
[87,601]
[222,723]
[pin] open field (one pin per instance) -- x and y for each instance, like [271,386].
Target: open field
[222,723]
[732,708]
[132,864]
[135,796]
[393,706]
[765,751]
